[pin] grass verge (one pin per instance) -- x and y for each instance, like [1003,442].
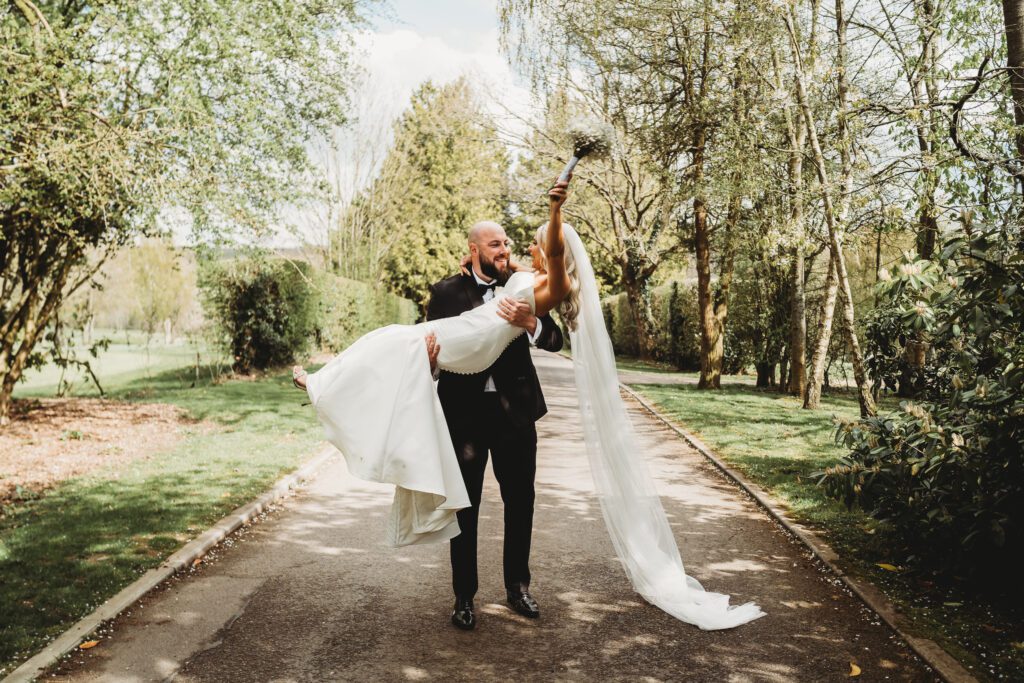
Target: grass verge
[65,552]
[770,439]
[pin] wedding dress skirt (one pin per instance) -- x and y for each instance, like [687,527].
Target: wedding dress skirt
[378,405]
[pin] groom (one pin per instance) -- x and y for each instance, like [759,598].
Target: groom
[493,412]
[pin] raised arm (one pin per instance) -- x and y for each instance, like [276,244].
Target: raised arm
[557,286]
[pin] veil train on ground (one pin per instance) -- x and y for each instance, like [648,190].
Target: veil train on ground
[633,513]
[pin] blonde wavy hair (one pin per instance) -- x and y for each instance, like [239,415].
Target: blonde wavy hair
[569,308]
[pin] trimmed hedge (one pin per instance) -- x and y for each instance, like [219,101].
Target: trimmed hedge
[349,309]
[677,333]
[268,312]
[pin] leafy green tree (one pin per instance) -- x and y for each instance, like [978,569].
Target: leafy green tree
[161,286]
[624,206]
[146,286]
[113,112]
[353,227]
[446,171]
[679,78]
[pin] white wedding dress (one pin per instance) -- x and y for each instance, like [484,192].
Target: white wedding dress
[378,405]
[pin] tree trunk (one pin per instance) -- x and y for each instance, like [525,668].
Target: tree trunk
[710,354]
[6,397]
[864,398]
[41,266]
[1013,15]
[87,331]
[710,357]
[797,326]
[638,292]
[812,394]
[32,324]
[797,135]
[721,297]
[834,219]
[867,402]
[784,369]
[921,77]
[798,306]
[927,222]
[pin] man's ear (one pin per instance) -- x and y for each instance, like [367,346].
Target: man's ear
[473,249]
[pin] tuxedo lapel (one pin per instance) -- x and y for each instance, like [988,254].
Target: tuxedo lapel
[472,292]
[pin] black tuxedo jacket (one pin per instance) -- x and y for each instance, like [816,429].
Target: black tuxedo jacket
[515,378]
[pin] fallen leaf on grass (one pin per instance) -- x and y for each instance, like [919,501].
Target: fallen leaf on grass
[1017,645]
[87,644]
[952,604]
[854,670]
[888,567]
[197,561]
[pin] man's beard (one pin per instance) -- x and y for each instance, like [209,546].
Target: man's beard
[491,270]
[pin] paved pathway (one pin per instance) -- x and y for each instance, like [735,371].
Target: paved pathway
[311,594]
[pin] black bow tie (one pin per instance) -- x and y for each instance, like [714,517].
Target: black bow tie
[486,288]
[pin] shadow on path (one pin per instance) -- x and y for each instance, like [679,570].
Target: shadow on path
[313,594]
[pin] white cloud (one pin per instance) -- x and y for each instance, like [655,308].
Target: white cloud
[399,61]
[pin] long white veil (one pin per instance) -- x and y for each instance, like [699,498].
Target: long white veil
[632,510]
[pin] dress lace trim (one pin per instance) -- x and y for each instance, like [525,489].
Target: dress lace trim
[461,372]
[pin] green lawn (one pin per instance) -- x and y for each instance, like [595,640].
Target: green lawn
[768,437]
[638,365]
[775,443]
[124,366]
[67,551]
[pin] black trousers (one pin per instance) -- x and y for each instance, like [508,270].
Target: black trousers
[513,449]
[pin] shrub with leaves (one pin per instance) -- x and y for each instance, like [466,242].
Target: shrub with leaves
[268,312]
[264,310]
[947,470]
[897,331]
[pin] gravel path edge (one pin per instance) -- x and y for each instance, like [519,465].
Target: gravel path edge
[944,664]
[182,559]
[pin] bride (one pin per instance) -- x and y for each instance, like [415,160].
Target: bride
[377,403]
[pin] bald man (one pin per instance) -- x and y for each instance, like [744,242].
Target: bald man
[493,413]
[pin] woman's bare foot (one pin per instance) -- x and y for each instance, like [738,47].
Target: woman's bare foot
[299,377]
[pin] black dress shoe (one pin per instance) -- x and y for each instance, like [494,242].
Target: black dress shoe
[463,615]
[523,603]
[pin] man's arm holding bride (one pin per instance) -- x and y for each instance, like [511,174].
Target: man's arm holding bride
[541,331]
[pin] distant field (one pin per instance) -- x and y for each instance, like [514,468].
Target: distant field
[126,361]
